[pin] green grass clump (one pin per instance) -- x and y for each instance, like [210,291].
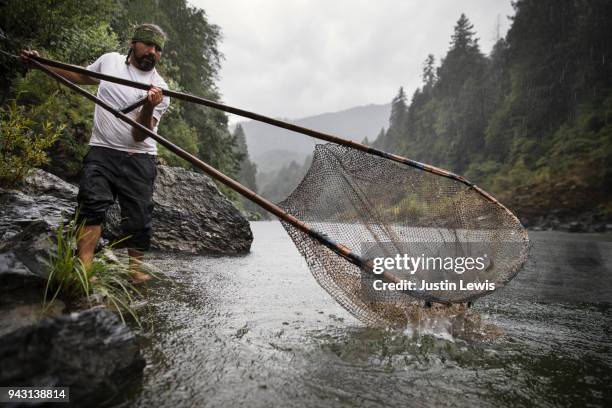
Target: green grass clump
[107,282]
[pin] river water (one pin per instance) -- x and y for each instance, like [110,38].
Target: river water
[258,331]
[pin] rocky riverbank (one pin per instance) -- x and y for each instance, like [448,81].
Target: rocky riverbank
[91,351]
[566,205]
[558,220]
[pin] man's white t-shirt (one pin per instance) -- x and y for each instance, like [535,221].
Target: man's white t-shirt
[109,131]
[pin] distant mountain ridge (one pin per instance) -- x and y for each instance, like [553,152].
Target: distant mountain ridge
[271,147]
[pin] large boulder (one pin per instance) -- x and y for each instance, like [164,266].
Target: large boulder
[27,223]
[191,215]
[91,352]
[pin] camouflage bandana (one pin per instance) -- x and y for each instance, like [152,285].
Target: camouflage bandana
[148,34]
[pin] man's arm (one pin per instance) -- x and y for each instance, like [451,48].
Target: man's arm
[145,117]
[69,75]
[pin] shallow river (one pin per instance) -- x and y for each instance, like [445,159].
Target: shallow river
[258,331]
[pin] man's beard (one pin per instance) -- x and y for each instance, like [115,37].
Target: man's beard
[145,63]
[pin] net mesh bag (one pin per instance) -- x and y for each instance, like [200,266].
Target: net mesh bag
[380,208]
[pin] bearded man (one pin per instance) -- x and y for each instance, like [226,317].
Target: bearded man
[121,162]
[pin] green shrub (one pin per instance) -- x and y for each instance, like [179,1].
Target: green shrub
[65,107]
[23,142]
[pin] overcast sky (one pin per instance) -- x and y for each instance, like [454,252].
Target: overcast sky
[297,58]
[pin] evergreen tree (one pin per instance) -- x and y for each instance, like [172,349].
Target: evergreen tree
[498,133]
[398,109]
[463,60]
[248,169]
[379,142]
[396,121]
[463,35]
[429,72]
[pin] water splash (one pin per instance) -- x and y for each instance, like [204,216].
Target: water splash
[448,323]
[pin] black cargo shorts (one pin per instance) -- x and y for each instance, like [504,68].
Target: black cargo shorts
[109,174]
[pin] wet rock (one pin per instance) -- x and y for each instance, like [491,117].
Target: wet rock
[19,210]
[44,199]
[573,226]
[14,275]
[599,227]
[27,223]
[569,221]
[91,352]
[191,215]
[21,293]
[12,268]
[29,249]
[41,182]
[26,311]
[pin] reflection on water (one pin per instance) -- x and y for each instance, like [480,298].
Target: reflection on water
[258,331]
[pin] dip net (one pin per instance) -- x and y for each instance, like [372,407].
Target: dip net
[380,208]
[357,205]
